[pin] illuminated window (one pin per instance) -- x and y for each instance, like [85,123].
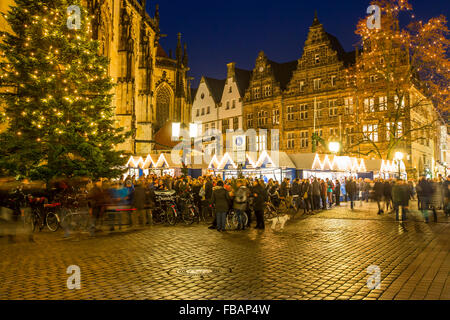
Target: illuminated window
[348,102]
[371,132]
[383,103]
[304,139]
[304,112]
[317,83]
[290,113]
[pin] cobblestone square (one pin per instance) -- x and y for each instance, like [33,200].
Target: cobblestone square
[324,256]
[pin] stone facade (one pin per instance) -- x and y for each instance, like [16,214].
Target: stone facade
[152,87]
[327,96]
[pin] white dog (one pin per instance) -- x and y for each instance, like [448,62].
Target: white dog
[281,220]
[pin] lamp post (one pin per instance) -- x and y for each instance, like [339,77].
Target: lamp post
[334,147]
[399,157]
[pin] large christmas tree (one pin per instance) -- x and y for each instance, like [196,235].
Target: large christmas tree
[60,119]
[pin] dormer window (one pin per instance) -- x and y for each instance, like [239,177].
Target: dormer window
[316,84]
[302,86]
[316,59]
[333,81]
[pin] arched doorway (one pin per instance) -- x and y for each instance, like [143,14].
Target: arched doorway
[163,103]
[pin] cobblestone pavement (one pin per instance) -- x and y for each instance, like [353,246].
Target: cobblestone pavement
[324,256]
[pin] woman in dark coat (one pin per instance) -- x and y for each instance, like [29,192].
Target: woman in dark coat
[221,201]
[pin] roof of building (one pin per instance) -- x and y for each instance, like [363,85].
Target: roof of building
[242,80]
[283,72]
[215,87]
[193,93]
[163,138]
[160,52]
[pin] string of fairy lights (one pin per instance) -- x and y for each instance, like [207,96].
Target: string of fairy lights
[50,56]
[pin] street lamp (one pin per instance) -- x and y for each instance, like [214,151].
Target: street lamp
[399,157]
[334,147]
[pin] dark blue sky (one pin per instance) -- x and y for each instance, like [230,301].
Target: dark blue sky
[218,32]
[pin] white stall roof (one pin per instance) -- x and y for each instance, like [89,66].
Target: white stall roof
[303,161]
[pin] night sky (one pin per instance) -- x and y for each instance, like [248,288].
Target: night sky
[219,32]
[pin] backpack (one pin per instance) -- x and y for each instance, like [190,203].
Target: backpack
[202,192]
[241,196]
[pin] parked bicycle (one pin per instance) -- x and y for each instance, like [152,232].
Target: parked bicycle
[165,208]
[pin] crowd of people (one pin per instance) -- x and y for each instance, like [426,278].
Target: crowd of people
[214,196]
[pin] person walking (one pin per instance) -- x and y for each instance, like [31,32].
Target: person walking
[400,198]
[316,194]
[436,198]
[424,192]
[387,193]
[378,191]
[139,202]
[221,201]
[447,196]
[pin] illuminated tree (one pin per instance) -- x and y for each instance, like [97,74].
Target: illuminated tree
[60,119]
[401,81]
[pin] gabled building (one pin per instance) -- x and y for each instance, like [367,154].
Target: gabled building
[218,105]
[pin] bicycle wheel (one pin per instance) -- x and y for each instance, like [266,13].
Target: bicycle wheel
[171,216]
[52,220]
[158,216]
[189,215]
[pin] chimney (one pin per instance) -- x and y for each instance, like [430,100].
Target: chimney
[231,69]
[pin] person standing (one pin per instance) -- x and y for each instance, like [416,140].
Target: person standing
[139,202]
[316,194]
[337,193]
[260,198]
[240,202]
[447,196]
[221,201]
[323,194]
[351,189]
[330,191]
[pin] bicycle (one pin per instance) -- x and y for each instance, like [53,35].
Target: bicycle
[232,220]
[165,208]
[190,211]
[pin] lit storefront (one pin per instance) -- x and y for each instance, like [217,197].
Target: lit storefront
[269,165]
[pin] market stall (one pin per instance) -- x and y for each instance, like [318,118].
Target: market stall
[323,166]
[269,165]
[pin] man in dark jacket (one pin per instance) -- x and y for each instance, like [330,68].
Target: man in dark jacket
[315,186]
[337,193]
[139,203]
[424,193]
[378,191]
[323,194]
[387,192]
[221,201]
[350,190]
[400,198]
[260,198]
